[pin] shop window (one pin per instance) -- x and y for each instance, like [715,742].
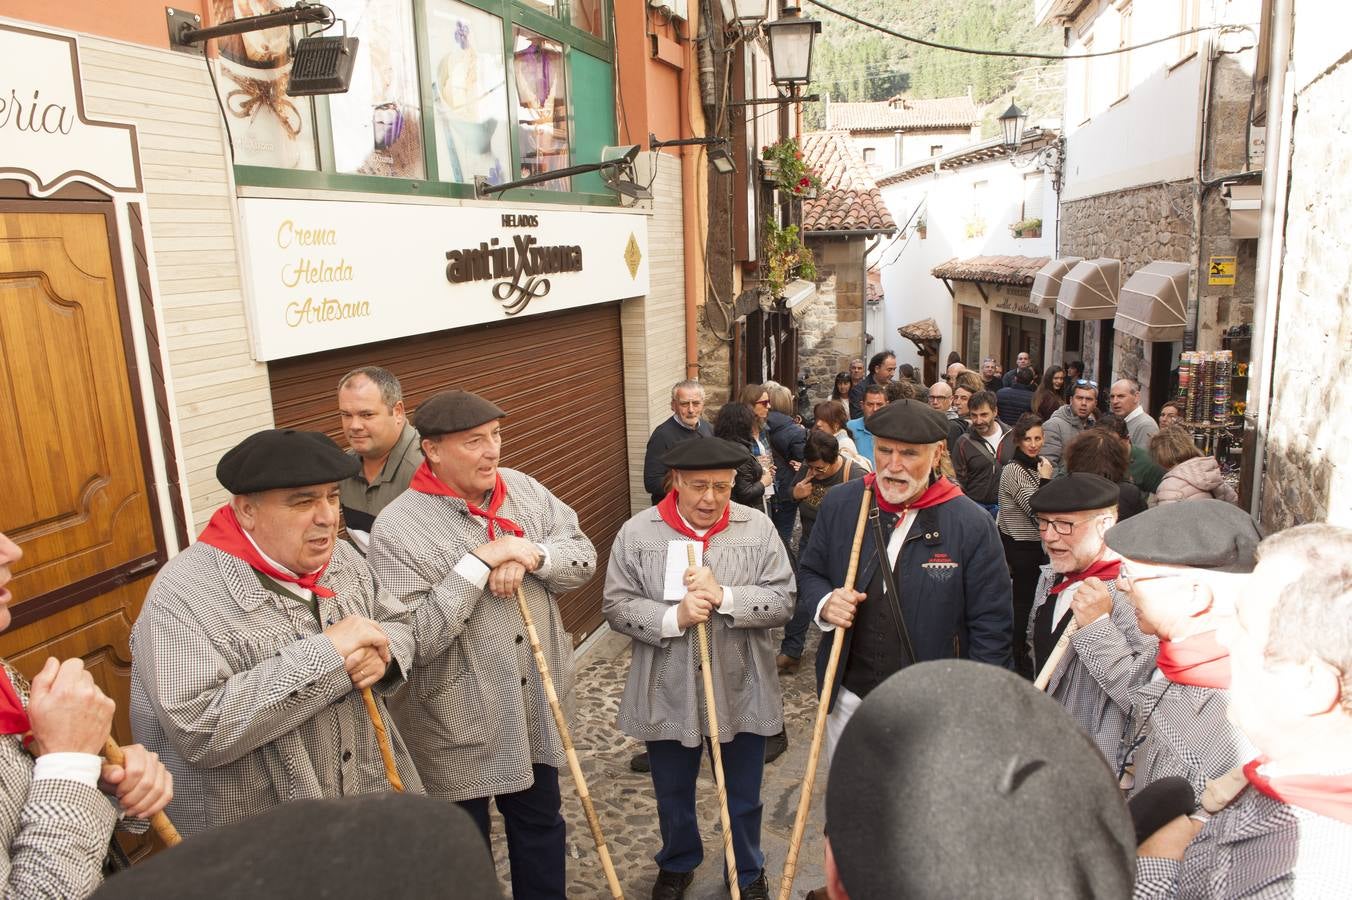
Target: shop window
[1074,338]
[541,105]
[469,93]
[971,333]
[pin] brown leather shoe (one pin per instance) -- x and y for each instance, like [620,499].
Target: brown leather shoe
[787,664]
[817,893]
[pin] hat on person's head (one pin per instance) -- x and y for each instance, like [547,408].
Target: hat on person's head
[1075,492]
[908,421]
[960,779]
[1201,534]
[452,411]
[705,453]
[420,846]
[283,458]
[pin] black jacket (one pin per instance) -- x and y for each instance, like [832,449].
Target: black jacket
[787,439]
[977,470]
[664,437]
[746,486]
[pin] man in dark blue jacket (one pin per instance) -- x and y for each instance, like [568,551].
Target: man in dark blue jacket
[1016,399]
[880,368]
[787,440]
[687,408]
[944,553]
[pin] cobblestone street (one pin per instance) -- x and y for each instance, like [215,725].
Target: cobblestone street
[628,811]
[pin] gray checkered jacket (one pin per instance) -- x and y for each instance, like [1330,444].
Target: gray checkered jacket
[664,695]
[1094,679]
[1256,848]
[475,713]
[56,832]
[246,701]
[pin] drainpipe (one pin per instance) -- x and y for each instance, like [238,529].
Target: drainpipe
[693,214]
[1271,240]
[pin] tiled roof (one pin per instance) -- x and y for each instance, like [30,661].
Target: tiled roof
[921,331]
[903,113]
[849,199]
[1016,270]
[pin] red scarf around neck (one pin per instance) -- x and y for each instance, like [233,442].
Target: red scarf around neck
[1199,661]
[13,716]
[424,482]
[224,533]
[941,491]
[667,510]
[1327,795]
[1103,569]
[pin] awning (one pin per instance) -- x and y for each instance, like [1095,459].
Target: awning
[1089,291]
[1154,302]
[1245,202]
[1047,282]
[799,294]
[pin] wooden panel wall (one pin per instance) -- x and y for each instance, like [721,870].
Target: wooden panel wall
[560,379]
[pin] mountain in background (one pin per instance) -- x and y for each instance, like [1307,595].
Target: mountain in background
[851,62]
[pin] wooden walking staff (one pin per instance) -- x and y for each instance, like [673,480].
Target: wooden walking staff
[382,739]
[823,709]
[711,714]
[159,823]
[574,766]
[1054,658]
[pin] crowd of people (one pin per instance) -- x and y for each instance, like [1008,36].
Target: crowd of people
[947,555]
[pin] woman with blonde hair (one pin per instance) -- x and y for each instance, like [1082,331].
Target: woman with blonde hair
[1189,474]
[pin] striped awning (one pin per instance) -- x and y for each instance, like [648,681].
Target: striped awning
[1089,290]
[1153,305]
[1047,282]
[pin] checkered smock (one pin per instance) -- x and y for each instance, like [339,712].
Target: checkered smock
[1094,679]
[55,832]
[664,696]
[246,701]
[475,713]
[1257,848]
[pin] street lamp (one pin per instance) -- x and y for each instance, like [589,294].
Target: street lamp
[1012,122]
[791,49]
[746,13]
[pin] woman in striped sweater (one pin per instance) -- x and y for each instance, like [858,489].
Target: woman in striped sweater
[1020,479]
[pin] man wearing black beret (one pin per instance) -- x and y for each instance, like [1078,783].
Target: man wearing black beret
[1093,679]
[252,643]
[942,553]
[456,547]
[742,585]
[1178,722]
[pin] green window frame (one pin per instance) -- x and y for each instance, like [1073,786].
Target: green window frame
[590,74]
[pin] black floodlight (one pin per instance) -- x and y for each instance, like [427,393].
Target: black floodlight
[322,65]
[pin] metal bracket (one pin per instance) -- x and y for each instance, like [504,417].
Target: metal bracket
[179,21]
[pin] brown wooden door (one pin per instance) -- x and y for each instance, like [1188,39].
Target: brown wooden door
[75,495]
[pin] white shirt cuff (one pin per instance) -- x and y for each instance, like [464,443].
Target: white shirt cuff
[728,607]
[542,570]
[473,570]
[670,628]
[822,624]
[84,768]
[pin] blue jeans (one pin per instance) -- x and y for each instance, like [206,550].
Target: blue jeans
[991,508]
[535,835]
[674,770]
[782,513]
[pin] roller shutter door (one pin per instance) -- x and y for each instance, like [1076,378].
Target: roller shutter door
[559,377]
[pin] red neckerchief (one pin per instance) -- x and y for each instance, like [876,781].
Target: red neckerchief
[667,510]
[1327,795]
[424,482]
[223,533]
[1200,661]
[941,491]
[13,716]
[1105,570]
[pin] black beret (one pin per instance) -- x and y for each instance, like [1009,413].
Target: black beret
[959,779]
[705,453]
[1203,534]
[452,411]
[349,847]
[1075,492]
[283,458]
[908,421]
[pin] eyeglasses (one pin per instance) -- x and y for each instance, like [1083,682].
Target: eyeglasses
[1060,526]
[703,487]
[762,403]
[1126,579]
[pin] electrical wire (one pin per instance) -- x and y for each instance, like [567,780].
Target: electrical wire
[1012,53]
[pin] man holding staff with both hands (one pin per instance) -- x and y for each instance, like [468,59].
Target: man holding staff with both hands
[700,569]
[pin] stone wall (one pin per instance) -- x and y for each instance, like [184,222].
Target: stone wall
[1310,424]
[831,330]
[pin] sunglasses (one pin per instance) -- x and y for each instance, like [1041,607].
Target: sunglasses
[1082,382]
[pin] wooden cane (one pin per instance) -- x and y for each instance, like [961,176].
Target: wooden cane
[574,766]
[711,714]
[1054,658]
[383,739]
[823,710]
[159,822]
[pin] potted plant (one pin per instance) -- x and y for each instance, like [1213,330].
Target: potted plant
[976,227]
[1027,228]
[786,257]
[921,228]
[782,163]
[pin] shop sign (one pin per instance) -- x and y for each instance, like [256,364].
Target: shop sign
[325,274]
[45,136]
[1017,305]
[1221,270]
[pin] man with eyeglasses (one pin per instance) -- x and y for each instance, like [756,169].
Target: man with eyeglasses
[741,585]
[1092,680]
[687,409]
[1182,564]
[1068,421]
